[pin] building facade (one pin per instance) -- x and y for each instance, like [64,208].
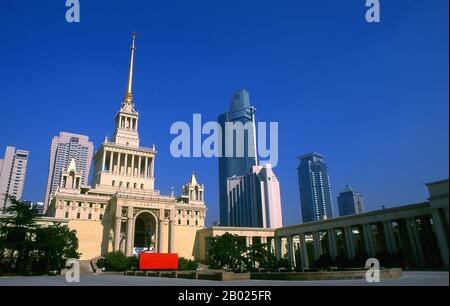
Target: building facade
[238,153]
[13,170]
[254,199]
[350,202]
[122,210]
[64,148]
[315,191]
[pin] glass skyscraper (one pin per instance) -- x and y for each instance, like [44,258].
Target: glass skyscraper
[350,202]
[315,190]
[244,157]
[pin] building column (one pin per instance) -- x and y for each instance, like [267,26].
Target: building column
[332,243]
[130,225]
[117,228]
[146,167]
[152,168]
[161,244]
[290,251]
[349,242]
[126,164]
[389,237]
[412,241]
[139,166]
[303,251]
[132,165]
[418,241]
[248,241]
[278,252]
[172,236]
[317,245]
[103,160]
[368,239]
[111,157]
[118,162]
[441,236]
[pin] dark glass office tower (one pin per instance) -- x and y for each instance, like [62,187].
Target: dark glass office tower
[244,157]
[315,190]
[350,202]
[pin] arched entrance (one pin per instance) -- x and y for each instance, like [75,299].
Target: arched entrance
[145,227]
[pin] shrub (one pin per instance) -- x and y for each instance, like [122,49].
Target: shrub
[133,262]
[359,261]
[116,261]
[185,264]
[101,262]
[341,261]
[324,261]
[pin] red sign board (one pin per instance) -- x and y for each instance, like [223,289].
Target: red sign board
[158,261]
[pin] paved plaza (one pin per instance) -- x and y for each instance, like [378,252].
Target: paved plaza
[410,278]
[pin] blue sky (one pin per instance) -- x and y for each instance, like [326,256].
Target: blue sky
[373,98]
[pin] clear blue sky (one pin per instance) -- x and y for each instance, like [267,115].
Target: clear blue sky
[373,98]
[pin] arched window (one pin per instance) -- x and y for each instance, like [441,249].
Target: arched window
[114,183]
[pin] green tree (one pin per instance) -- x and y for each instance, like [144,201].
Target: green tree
[56,244]
[258,256]
[16,234]
[227,251]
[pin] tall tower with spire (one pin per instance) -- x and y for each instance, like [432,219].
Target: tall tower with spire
[126,132]
[123,163]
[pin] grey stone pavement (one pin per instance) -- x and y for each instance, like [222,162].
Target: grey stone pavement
[410,278]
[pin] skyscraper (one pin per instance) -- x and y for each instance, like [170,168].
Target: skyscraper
[315,190]
[254,199]
[13,169]
[64,148]
[350,202]
[238,153]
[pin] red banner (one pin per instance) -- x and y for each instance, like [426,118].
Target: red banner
[158,261]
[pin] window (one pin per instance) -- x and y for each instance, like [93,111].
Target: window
[128,185]
[89,216]
[66,215]
[78,215]
[134,185]
[179,212]
[196,222]
[142,186]
[188,212]
[90,205]
[114,183]
[68,203]
[187,222]
[196,213]
[120,184]
[179,221]
[79,204]
[101,216]
[102,205]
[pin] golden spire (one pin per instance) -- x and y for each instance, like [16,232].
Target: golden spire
[129,95]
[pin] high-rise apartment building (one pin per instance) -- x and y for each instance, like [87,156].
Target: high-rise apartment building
[64,148]
[13,169]
[350,202]
[315,190]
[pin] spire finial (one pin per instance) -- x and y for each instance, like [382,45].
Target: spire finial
[129,95]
